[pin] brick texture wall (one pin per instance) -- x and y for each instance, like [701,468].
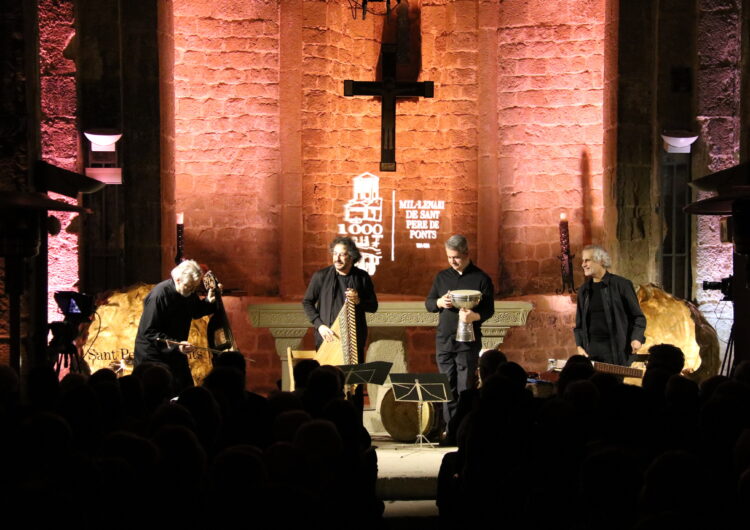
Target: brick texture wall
[435,138]
[226,137]
[550,128]
[227,111]
[226,161]
[718,87]
[59,136]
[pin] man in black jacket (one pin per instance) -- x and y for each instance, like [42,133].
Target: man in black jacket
[329,287]
[168,311]
[609,322]
[458,359]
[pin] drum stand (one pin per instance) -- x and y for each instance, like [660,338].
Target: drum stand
[421,440]
[421,388]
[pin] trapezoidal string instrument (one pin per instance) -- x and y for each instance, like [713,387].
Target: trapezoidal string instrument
[343,349]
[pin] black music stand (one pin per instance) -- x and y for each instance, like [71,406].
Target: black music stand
[374,373]
[421,388]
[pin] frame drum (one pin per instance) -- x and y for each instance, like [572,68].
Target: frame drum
[400,419]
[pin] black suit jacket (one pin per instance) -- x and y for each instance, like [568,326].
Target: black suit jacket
[625,319]
[322,292]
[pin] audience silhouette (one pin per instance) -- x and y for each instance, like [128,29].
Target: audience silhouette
[95,451]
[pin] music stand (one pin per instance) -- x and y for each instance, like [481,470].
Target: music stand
[421,388]
[359,374]
[374,373]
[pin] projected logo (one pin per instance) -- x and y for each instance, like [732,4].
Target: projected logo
[422,220]
[363,220]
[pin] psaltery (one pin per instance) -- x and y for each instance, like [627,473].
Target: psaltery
[343,349]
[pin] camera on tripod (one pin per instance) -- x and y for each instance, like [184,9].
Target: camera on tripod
[725,286]
[62,349]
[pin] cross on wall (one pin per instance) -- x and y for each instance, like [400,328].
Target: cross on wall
[388,90]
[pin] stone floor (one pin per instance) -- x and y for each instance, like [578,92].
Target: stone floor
[407,481]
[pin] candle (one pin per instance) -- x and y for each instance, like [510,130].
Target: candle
[180,250]
[564,235]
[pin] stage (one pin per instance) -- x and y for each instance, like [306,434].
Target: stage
[407,481]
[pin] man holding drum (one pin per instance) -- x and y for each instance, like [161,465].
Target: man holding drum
[455,357]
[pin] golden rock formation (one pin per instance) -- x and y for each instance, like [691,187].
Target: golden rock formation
[671,320]
[112,335]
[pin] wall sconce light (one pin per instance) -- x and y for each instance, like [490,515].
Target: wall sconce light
[103,164]
[678,141]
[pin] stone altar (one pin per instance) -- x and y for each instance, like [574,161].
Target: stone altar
[287,323]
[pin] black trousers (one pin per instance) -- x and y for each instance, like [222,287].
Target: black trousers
[461,368]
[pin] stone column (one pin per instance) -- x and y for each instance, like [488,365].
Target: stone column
[290,133]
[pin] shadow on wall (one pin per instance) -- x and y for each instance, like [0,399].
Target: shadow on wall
[586,198]
[404,29]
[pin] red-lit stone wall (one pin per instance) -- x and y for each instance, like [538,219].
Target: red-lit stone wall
[226,78]
[547,136]
[339,135]
[435,138]
[550,128]
[226,154]
[59,136]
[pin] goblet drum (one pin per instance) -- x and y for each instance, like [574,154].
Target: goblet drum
[465,299]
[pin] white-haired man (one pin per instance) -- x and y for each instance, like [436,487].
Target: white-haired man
[168,311]
[609,322]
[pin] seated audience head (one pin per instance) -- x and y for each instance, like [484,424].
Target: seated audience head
[302,371]
[227,386]
[742,373]
[577,368]
[709,386]
[286,425]
[515,373]
[666,357]
[489,361]
[282,401]
[231,359]
[158,385]
[325,383]
[102,375]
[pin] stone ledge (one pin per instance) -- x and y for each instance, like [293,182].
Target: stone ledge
[390,314]
[288,324]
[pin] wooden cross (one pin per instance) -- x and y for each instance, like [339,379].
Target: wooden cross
[388,90]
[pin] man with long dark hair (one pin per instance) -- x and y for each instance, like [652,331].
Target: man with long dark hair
[331,286]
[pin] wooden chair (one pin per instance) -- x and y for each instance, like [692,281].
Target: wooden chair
[292,356]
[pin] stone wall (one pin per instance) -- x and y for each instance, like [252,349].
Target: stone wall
[435,139]
[226,153]
[59,136]
[532,152]
[718,102]
[226,77]
[551,132]
[14,146]
[548,333]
